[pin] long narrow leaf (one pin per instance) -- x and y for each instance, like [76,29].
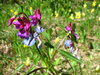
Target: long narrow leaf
[19,67]
[68,55]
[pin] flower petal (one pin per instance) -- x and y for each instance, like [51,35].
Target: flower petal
[11,20]
[29,42]
[68,43]
[23,34]
[27,26]
[39,29]
[76,35]
[17,24]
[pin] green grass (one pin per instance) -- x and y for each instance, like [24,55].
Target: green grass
[14,57]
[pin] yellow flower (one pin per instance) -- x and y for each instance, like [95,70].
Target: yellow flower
[30,8]
[94,3]
[56,40]
[99,5]
[11,11]
[69,10]
[15,13]
[68,34]
[84,5]
[25,46]
[71,17]
[56,14]
[83,14]
[27,62]
[77,15]
[99,18]
[92,10]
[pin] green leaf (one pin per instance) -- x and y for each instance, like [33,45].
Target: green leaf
[57,61]
[29,70]
[73,38]
[19,67]
[48,45]
[73,27]
[49,31]
[68,55]
[46,35]
[73,63]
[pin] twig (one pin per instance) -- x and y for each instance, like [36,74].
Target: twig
[58,47]
[35,70]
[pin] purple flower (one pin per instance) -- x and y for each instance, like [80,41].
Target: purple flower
[76,35]
[36,17]
[34,20]
[37,14]
[68,43]
[68,28]
[11,20]
[23,34]
[39,29]
[27,26]
[29,41]
[22,23]
[17,25]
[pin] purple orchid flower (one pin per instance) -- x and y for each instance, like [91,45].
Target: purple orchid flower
[37,14]
[68,43]
[10,21]
[36,17]
[27,26]
[68,28]
[34,20]
[76,35]
[22,23]
[23,34]
[17,25]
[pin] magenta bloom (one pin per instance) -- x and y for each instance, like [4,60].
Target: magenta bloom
[76,35]
[11,20]
[23,34]
[34,20]
[17,25]
[68,28]
[22,23]
[36,17]
[37,14]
